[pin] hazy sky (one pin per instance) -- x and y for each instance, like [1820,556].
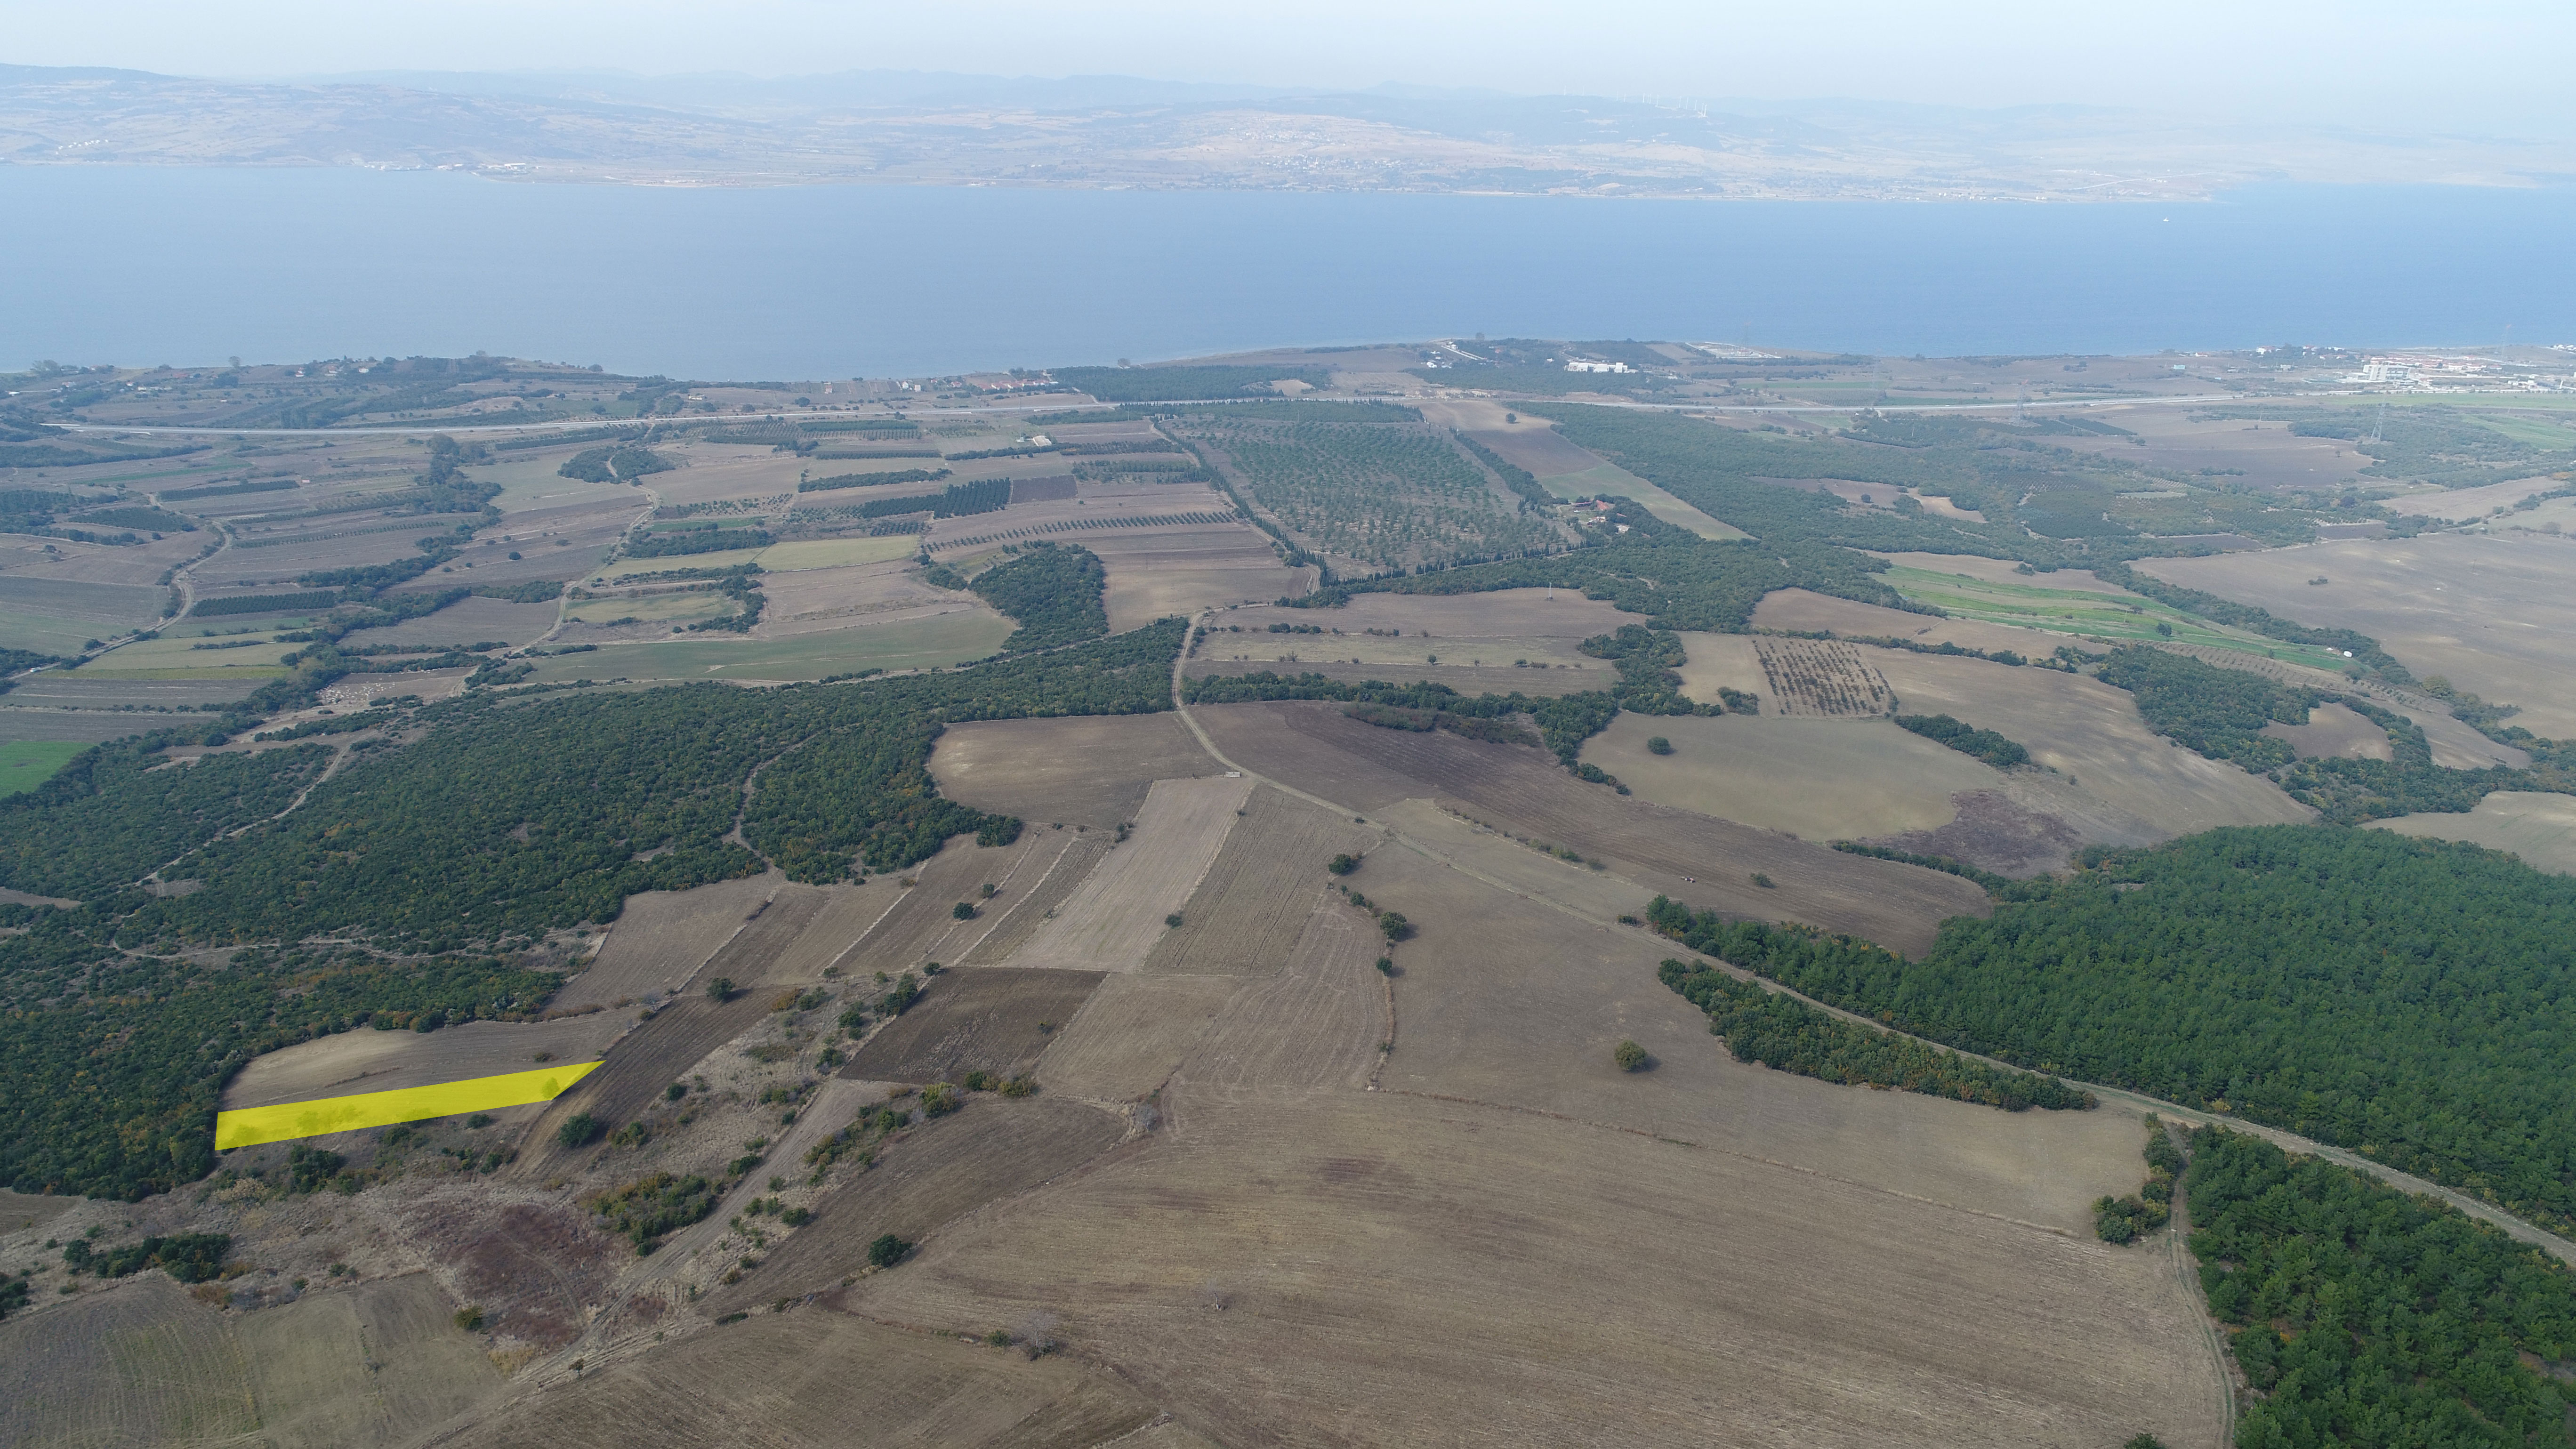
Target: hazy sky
[2456,65]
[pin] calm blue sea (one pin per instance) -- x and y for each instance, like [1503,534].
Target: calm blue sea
[146,265]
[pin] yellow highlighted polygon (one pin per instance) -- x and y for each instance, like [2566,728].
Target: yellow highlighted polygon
[249,1126]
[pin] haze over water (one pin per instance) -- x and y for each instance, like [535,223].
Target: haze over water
[143,265]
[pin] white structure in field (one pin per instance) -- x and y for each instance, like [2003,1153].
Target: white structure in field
[1586,364]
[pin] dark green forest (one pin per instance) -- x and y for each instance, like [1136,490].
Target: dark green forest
[1966,738]
[1052,591]
[2407,999]
[2361,1315]
[1788,1035]
[508,819]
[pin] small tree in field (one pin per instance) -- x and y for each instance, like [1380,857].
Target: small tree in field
[1342,864]
[887,1251]
[720,989]
[1630,1056]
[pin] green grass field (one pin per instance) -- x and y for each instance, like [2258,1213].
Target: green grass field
[2088,613]
[25,764]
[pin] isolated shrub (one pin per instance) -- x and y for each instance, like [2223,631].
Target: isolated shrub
[1629,1056]
[887,1251]
[1385,965]
[1658,745]
[632,1135]
[938,1100]
[1394,925]
[580,1130]
[906,991]
[1342,864]
[720,989]
[1173,919]
[796,1217]
[977,1081]
[470,1318]
[962,911]
[1762,880]
[1019,1087]
[675,1091]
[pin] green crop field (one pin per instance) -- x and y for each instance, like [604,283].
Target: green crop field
[916,644]
[2088,613]
[25,764]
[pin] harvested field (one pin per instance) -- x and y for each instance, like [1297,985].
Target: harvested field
[1117,915]
[2491,614]
[1315,1023]
[1815,779]
[986,1019]
[467,621]
[2332,731]
[808,1378]
[57,615]
[1051,871]
[1246,916]
[1657,848]
[1324,1260]
[2463,504]
[1508,1001]
[1712,660]
[2117,781]
[920,927]
[76,726]
[867,595]
[1132,1034]
[82,690]
[661,938]
[147,1364]
[929,641]
[1823,679]
[988,1150]
[2539,828]
[1182,570]
[1081,770]
[2267,453]
[367,1060]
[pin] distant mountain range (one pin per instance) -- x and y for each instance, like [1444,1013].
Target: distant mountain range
[909,127]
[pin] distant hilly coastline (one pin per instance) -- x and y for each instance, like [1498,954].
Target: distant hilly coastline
[916,128]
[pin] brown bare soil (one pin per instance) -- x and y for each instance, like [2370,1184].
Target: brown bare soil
[1113,920]
[1133,1034]
[20,1211]
[1245,917]
[1082,771]
[815,1377]
[2268,454]
[2333,731]
[2539,828]
[1329,1260]
[1817,779]
[145,1363]
[1657,848]
[367,1060]
[661,939]
[653,1056]
[921,927]
[946,1167]
[1821,678]
[973,1019]
[2491,614]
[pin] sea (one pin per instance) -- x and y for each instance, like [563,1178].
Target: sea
[143,265]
